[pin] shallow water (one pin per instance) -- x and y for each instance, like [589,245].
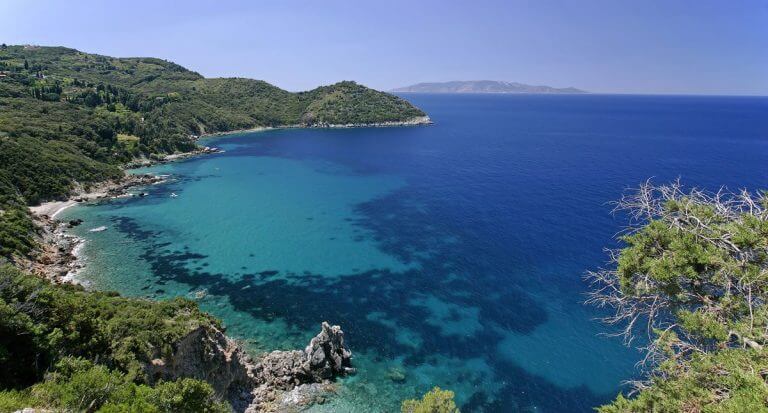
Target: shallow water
[453,253]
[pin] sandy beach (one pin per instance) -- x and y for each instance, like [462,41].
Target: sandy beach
[58,259]
[53,208]
[109,189]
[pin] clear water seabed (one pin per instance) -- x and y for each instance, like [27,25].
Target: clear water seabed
[452,253]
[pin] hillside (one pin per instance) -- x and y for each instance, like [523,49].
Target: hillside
[70,118]
[483,86]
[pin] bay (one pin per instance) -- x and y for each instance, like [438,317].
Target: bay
[453,253]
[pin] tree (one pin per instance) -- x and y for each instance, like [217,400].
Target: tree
[79,385]
[693,278]
[26,64]
[435,401]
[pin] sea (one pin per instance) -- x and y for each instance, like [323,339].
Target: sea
[451,255]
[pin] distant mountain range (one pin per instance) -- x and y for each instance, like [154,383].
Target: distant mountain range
[483,86]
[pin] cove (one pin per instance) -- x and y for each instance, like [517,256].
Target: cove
[451,254]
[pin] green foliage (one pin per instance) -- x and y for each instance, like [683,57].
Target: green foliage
[722,382]
[79,385]
[16,227]
[62,113]
[13,400]
[434,401]
[696,272]
[348,102]
[41,323]
[186,395]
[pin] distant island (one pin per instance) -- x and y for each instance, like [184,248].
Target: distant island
[483,86]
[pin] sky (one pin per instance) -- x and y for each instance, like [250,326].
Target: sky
[603,46]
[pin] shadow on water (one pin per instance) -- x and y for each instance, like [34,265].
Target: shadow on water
[457,307]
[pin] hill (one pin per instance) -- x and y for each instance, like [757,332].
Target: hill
[69,118]
[483,86]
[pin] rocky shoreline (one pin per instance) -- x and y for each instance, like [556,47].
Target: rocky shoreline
[144,162]
[278,381]
[57,259]
[417,121]
[274,382]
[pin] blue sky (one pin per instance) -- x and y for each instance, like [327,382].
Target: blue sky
[610,46]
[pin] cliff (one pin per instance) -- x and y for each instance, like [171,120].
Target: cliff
[267,383]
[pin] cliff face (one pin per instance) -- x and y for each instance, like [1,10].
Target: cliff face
[262,384]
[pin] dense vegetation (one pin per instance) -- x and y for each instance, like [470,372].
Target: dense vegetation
[41,323]
[76,384]
[693,276]
[434,401]
[69,118]
[52,336]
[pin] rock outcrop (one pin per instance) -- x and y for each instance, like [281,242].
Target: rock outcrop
[326,355]
[264,384]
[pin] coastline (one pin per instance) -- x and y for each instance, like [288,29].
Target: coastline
[58,258]
[276,381]
[416,121]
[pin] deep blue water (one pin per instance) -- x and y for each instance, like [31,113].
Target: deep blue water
[453,253]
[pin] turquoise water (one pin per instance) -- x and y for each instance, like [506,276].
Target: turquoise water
[453,253]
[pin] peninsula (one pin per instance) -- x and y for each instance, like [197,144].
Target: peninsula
[69,120]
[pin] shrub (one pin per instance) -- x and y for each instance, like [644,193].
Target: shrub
[79,385]
[435,401]
[694,273]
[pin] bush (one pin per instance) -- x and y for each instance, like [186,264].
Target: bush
[79,385]
[695,272]
[41,323]
[13,400]
[435,401]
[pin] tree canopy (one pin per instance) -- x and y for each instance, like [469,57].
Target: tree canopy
[434,401]
[66,348]
[693,278]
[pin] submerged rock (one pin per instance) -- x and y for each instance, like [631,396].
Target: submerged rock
[305,395]
[396,374]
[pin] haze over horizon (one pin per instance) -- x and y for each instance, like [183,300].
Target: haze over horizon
[687,47]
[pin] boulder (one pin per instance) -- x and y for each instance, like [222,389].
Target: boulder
[326,356]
